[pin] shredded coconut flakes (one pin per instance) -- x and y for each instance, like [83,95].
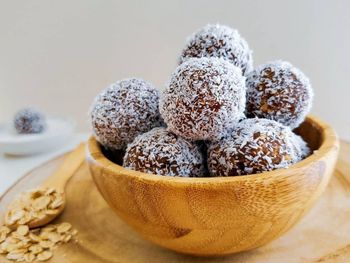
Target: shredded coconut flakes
[124,110]
[204,99]
[161,152]
[222,42]
[280,92]
[254,146]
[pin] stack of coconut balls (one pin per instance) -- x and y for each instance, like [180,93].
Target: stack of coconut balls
[217,116]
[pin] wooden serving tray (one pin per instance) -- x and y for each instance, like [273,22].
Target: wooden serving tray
[322,236]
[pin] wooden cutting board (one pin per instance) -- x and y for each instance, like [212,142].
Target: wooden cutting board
[322,236]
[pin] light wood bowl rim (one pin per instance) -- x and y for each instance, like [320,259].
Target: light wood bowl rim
[329,142]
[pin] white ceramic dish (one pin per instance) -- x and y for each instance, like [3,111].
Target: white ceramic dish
[58,131]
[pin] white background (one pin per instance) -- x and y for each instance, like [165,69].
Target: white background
[58,55]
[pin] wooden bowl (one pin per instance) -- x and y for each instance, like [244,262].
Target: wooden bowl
[218,215]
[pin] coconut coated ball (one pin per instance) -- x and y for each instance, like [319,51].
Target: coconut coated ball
[280,92]
[221,42]
[204,98]
[124,110]
[255,146]
[29,120]
[164,153]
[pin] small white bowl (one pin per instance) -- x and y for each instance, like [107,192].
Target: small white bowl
[57,132]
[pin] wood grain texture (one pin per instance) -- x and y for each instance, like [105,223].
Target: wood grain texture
[321,236]
[62,175]
[220,215]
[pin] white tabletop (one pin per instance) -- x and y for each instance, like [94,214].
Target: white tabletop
[14,167]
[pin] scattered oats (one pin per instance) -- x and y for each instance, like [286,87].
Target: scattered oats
[12,240]
[64,227]
[67,238]
[48,228]
[54,237]
[35,249]
[34,205]
[45,255]
[46,244]
[27,245]
[14,215]
[20,243]
[52,212]
[24,220]
[56,203]
[14,255]
[5,230]
[20,251]
[44,236]
[9,247]
[29,257]
[16,237]
[23,230]
[41,203]
[34,238]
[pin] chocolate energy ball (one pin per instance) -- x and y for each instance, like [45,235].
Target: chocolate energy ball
[221,42]
[255,146]
[204,98]
[280,92]
[29,120]
[161,152]
[124,110]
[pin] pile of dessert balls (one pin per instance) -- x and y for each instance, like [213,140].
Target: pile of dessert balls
[217,116]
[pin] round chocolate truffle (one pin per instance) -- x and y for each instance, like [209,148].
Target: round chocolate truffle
[280,92]
[164,153]
[124,110]
[29,120]
[255,146]
[221,42]
[204,98]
